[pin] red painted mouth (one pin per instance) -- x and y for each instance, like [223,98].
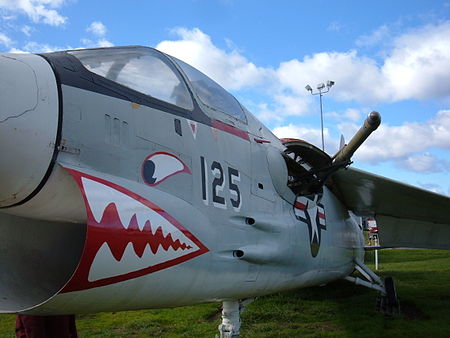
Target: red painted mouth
[127,236]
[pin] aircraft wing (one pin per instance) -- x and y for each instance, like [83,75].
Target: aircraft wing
[406,216]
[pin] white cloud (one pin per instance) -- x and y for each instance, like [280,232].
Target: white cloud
[235,72]
[16,50]
[7,17]
[37,10]
[404,145]
[87,43]
[97,28]
[397,142]
[228,68]
[357,78]
[283,106]
[311,135]
[36,47]
[291,105]
[5,40]
[278,106]
[27,30]
[351,114]
[417,66]
[104,43]
[433,187]
[425,163]
[378,35]
[264,112]
[335,26]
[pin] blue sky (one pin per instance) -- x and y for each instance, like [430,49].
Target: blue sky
[390,56]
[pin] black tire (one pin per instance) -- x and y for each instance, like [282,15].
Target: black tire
[392,305]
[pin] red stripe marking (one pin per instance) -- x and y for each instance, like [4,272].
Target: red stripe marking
[300,205]
[285,140]
[321,215]
[230,129]
[259,140]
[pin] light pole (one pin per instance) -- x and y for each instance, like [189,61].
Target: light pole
[321,91]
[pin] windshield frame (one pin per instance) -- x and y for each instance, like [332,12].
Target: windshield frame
[244,120]
[143,51]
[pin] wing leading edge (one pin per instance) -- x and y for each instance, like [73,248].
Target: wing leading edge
[406,216]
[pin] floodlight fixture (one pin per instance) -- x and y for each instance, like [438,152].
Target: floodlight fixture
[320,92]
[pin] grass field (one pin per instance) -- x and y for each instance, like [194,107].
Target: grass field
[339,309]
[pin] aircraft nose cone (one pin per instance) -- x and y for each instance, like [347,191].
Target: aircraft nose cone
[28,125]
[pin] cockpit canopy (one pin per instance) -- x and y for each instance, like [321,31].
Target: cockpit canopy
[211,93]
[141,69]
[150,72]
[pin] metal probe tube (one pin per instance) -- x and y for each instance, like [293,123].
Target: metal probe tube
[371,123]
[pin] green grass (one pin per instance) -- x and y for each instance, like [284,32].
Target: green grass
[339,309]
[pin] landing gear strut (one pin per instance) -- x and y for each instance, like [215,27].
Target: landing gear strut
[387,302]
[231,317]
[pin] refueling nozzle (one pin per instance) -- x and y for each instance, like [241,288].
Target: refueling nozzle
[371,123]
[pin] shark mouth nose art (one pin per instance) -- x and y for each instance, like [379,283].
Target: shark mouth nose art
[128,236]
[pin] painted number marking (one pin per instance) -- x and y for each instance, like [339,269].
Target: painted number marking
[233,179]
[218,184]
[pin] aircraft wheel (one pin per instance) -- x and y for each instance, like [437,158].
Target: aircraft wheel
[389,304]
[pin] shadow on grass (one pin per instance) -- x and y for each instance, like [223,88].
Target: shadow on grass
[342,309]
[339,309]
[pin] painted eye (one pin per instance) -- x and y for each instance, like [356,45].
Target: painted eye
[159,166]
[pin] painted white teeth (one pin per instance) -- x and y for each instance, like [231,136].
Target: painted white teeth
[141,219]
[177,235]
[105,265]
[99,196]
[95,198]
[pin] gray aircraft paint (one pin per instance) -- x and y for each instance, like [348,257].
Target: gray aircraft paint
[253,247]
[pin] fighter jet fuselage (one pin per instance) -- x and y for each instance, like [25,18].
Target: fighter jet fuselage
[131,180]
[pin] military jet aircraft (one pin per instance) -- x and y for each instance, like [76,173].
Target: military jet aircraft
[131,180]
